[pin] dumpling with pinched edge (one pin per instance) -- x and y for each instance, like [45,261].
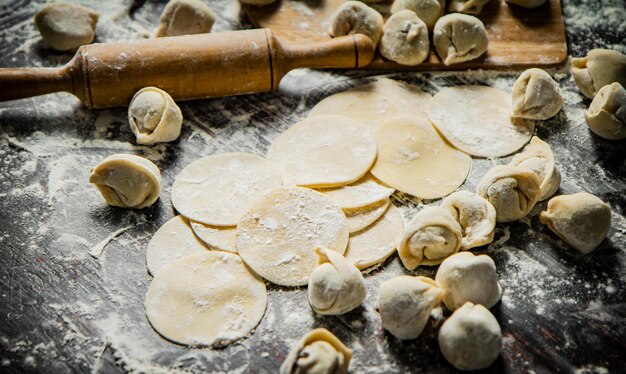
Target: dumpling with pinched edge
[185,17]
[428,11]
[536,95]
[606,115]
[154,117]
[405,39]
[538,158]
[354,17]
[459,37]
[599,68]
[476,216]
[65,26]
[318,352]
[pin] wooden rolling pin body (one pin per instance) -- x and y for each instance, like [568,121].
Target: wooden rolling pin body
[187,67]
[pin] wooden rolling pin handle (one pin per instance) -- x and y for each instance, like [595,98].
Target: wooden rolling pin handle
[20,83]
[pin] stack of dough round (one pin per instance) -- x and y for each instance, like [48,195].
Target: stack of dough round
[185,17]
[223,238]
[536,95]
[361,218]
[428,11]
[476,216]
[599,68]
[467,6]
[354,17]
[459,38]
[154,116]
[366,191]
[405,39]
[66,26]
[606,116]
[538,158]
[319,351]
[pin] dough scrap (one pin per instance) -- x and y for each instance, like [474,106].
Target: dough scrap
[414,159]
[459,37]
[538,158]
[428,11]
[127,181]
[216,190]
[324,151]
[206,299]
[606,115]
[377,242]
[582,220]
[185,17]
[476,216]
[65,26]
[364,192]
[405,39]
[154,117]
[278,234]
[319,351]
[467,6]
[536,95]
[223,238]
[170,242]
[360,218]
[527,3]
[354,17]
[599,68]
[476,120]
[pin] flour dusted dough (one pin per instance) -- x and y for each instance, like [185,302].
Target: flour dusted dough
[216,190]
[377,242]
[536,95]
[364,192]
[336,286]
[360,218]
[154,117]
[354,17]
[279,233]
[459,37]
[467,6]
[185,17]
[324,151]
[318,352]
[599,68]
[606,116]
[405,39]
[223,238]
[66,26]
[414,159]
[170,242]
[205,299]
[476,216]
[538,158]
[428,11]
[127,181]
[527,3]
[476,120]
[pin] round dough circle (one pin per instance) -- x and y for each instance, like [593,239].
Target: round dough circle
[414,159]
[223,238]
[364,192]
[278,235]
[206,299]
[476,120]
[216,190]
[324,151]
[361,218]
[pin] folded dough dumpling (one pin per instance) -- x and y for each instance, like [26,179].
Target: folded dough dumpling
[65,26]
[538,158]
[319,351]
[459,37]
[429,238]
[606,115]
[405,304]
[185,17]
[512,190]
[476,216]
[536,95]
[354,17]
[467,6]
[154,117]
[336,286]
[405,39]
[599,68]
[428,11]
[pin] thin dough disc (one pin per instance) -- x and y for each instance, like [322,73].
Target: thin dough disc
[476,120]
[366,191]
[325,151]
[278,235]
[379,241]
[172,241]
[206,299]
[414,159]
[223,238]
[374,103]
[360,218]
[217,189]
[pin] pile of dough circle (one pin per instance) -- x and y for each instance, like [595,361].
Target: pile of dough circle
[374,103]
[365,191]
[223,238]
[278,235]
[414,159]
[217,189]
[360,218]
[206,299]
[477,120]
[324,151]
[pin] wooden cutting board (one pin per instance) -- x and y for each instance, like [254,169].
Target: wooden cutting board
[519,38]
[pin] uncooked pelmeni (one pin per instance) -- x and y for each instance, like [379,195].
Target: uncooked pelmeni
[360,218]
[206,299]
[405,39]
[527,3]
[405,304]
[414,159]
[377,242]
[154,117]
[599,68]
[318,352]
[465,277]
[476,120]
[278,234]
[364,192]
[185,17]
[428,11]
[223,238]
[582,220]
[336,286]
[467,6]
[476,216]
[606,115]
[170,242]
[538,158]
[536,95]
[216,190]
[459,37]
[354,17]
[512,190]
[66,26]
[471,338]
[127,181]
[324,151]
[429,238]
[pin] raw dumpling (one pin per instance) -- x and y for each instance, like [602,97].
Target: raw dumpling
[467,6]
[318,352]
[127,181]
[536,95]
[471,338]
[512,190]
[354,17]
[465,277]
[599,68]
[185,17]
[582,220]
[66,26]
[538,158]
[406,303]
[428,11]
[606,116]
[527,3]
[336,286]
[154,117]
[429,238]
[476,216]
[405,39]
[459,37]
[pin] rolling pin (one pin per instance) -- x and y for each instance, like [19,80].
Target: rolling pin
[187,67]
